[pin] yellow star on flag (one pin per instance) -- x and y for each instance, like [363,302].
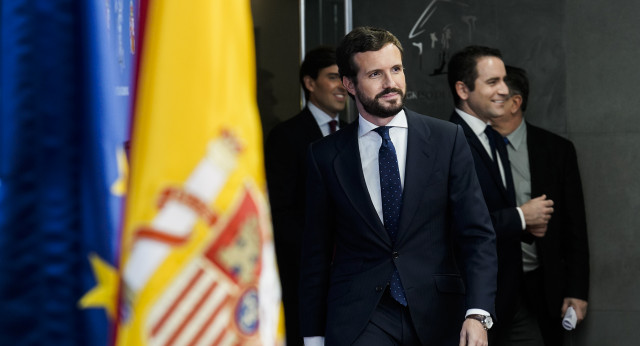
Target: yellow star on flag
[104,294]
[119,187]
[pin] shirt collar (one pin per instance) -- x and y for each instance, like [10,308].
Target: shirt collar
[320,116]
[518,136]
[477,126]
[364,126]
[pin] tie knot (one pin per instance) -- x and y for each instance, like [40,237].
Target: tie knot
[489,131]
[383,131]
[332,126]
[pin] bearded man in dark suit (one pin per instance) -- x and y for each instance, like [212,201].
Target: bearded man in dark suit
[398,247]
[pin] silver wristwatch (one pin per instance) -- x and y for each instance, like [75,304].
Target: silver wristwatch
[487,321]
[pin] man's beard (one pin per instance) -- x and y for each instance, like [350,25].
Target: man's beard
[375,107]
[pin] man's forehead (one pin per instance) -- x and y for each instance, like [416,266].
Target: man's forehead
[389,54]
[490,66]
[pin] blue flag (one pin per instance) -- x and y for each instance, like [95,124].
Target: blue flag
[66,80]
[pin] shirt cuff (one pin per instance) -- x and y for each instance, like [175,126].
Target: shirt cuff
[469,312]
[524,224]
[314,341]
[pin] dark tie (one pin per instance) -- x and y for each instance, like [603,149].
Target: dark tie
[391,191]
[504,157]
[500,147]
[332,126]
[491,136]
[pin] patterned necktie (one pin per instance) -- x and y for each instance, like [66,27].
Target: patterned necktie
[332,126]
[391,191]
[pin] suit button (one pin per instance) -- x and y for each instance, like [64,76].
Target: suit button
[395,255]
[378,288]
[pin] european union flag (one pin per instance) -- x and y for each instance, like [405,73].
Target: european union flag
[66,79]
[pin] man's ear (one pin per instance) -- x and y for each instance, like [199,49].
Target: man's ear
[517,102]
[348,84]
[462,90]
[309,83]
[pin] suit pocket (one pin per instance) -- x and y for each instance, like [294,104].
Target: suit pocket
[449,283]
[342,277]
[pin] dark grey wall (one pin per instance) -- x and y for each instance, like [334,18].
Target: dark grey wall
[603,120]
[601,116]
[277,34]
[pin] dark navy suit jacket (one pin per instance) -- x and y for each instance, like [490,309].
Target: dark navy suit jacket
[506,222]
[563,252]
[286,150]
[445,248]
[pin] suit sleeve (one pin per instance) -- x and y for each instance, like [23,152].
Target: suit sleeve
[507,224]
[282,180]
[317,250]
[472,224]
[575,243]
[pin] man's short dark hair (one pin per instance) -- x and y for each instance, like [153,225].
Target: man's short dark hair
[518,84]
[463,67]
[315,60]
[359,40]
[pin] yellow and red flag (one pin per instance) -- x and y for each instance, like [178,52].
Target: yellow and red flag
[197,265]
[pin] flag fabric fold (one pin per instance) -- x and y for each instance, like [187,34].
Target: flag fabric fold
[63,122]
[197,265]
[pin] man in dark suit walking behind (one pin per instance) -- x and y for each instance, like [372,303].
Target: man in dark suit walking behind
[398,246]
[556,266]
[285,160]
[476,78]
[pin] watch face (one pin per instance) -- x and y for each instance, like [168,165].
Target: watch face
[488,321]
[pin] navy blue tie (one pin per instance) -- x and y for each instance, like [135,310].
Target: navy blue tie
[504,157]
[499,152]
[391,191]
[490,132]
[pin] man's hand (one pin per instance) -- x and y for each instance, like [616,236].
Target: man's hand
[537,231]
[579,305]
[473,333]
[537,211]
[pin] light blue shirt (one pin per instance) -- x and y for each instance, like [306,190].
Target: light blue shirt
[519,160]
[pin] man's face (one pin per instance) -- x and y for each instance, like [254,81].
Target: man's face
[327,91]
[487,100]
[380,87]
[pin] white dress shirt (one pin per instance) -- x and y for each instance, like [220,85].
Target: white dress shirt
[322,119]
[369,143]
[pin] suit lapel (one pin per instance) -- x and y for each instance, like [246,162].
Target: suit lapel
[418,169]
[310,125]
[474,142]
[348,170]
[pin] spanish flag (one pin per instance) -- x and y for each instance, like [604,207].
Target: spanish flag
[197,264]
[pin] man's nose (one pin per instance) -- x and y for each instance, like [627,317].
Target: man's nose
[503,89]
[389,81]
